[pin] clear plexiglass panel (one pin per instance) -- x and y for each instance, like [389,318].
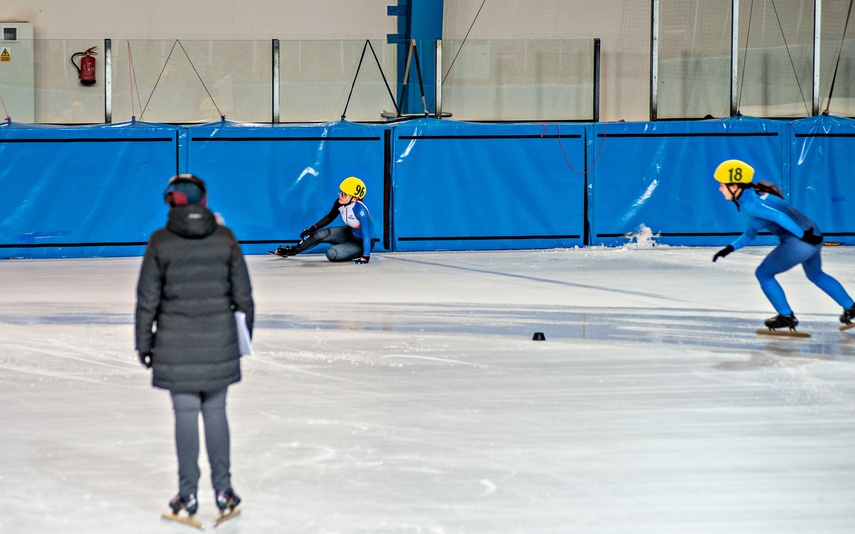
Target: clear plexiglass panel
[518,79]
[694,59]
[837,60]
[775,59]
[318,76]
[180,81]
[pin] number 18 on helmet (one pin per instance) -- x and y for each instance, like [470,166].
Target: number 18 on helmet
[734,171]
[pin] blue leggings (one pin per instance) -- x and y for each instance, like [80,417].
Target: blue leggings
[791,252]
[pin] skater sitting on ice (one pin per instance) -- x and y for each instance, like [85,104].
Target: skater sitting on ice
[354,241]
[192,280]
[800,240]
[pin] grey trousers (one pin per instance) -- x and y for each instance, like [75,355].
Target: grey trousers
[344,247]
[187,406]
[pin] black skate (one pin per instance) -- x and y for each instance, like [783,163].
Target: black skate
[287,251]
[187,504]
[782,321]
[227,502]
[847,318]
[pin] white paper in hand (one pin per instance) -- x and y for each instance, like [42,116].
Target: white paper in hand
[244,339]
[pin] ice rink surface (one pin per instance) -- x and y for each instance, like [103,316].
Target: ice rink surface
[407,396]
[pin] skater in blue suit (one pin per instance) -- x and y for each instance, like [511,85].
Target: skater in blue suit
[354,241]
[800,240]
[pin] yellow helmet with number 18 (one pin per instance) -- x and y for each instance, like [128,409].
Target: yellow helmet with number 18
[354,187]
[734,171]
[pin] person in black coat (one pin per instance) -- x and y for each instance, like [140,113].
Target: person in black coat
[192,281]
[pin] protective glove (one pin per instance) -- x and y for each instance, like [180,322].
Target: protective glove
[723,252]
[307,232]
[362,260]
[145,359]
[811,237]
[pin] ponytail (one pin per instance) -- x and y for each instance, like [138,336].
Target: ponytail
[767,187]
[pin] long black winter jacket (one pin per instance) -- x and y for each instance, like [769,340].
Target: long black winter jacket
[193,278]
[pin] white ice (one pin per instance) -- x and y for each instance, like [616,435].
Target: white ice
[407,396]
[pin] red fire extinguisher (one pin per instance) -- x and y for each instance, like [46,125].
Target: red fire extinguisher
[86,70]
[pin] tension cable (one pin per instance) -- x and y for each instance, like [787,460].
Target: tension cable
[837,64]
[178,43]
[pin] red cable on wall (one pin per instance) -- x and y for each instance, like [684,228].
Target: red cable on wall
[566,158]
[4,109]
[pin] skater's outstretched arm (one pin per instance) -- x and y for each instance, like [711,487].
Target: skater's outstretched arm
[325,220]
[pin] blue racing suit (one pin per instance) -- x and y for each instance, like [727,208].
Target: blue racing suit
[771,213]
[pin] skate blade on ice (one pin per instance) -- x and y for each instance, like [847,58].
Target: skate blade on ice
[225,516]
[187,520]
[788,333]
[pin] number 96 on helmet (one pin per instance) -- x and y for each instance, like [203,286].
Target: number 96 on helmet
[354,187]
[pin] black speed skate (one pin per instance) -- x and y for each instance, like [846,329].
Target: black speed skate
[287,251]
[227,502]
[847,319]
[189,505]
[782,321]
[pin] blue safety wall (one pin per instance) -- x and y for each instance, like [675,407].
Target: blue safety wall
[459,186]
[822,174]
[82,191]
[432,184]
[271,182]
[659,175]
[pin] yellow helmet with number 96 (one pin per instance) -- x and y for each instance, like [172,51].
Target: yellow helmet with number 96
[734,171]
[354,187]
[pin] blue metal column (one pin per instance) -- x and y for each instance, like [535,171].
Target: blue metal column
[419,20]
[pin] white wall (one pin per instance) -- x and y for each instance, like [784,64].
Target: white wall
[621,24]
[203,19]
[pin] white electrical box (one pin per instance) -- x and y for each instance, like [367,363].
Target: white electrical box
[17,71]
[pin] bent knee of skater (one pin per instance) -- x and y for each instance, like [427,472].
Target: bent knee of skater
[333,255]
[815,276]
[764,274]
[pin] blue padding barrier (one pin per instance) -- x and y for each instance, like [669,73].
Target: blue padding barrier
[659,175]
[82,191]
[271,182]
[432,184]
[461,186]
[822,155]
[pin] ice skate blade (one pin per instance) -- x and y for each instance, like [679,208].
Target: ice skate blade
[188,520]
[226,516]
[847,327]
[787,333]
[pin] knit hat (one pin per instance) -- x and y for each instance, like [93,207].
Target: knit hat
[185,190]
